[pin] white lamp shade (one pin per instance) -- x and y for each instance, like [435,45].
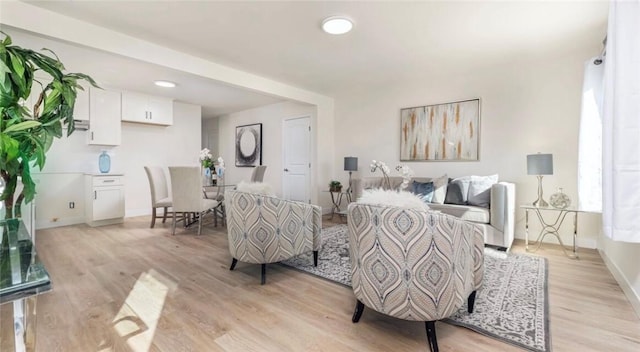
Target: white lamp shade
[540,164]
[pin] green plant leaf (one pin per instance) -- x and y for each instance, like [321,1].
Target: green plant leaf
[9,147]
[22,126]
[17,62]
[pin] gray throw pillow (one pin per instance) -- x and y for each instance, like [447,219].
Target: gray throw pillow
[480,190]
[457,191]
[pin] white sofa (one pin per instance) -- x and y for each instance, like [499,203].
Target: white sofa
[497,221]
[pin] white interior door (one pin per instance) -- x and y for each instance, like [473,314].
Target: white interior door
[296,160]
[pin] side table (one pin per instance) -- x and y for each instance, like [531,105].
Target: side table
[336,199]
[552,228]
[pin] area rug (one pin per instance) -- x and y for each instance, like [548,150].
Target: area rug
[511,306]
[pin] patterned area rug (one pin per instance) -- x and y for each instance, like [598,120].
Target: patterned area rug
[511,306]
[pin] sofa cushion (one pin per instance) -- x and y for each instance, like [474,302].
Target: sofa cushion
[458,190]
[424,190]
[400,199]
[479,193]
[465,212]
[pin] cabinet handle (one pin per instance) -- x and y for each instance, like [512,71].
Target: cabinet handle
[91,135]
[150,115]
[108,181]
[95,194]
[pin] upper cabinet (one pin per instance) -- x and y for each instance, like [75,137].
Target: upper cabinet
[104,117]
[81,107]
[148,109]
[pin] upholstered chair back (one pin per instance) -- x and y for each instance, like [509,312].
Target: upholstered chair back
[157,183]
[264,229]
[186,188]
[413,265]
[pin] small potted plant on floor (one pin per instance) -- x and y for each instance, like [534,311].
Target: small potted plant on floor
[335,186]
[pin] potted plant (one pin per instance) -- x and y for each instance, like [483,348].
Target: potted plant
[335,186]
[27,132]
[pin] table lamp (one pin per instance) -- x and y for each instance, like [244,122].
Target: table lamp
[540,164]
[350,164]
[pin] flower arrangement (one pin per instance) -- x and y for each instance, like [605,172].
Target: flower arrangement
[206,159]
[380,165]
[406,173]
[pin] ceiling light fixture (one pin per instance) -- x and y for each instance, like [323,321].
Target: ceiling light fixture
[165,84]
[337,25]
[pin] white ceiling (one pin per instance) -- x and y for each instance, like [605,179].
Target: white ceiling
[391,42]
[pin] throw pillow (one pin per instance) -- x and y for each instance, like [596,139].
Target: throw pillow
[424,190]
[440,185]
[256,188]
[480,190]
[457,191]
[400,199]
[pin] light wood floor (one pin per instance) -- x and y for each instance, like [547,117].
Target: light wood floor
[131,288]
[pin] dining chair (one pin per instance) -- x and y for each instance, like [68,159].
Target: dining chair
[159,192]
[186,190]
[258,173]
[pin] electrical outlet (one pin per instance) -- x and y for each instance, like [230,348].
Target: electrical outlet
[72,205]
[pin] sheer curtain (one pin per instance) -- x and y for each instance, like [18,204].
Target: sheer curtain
[621,124]
[590,142]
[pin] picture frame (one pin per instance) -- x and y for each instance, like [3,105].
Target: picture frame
[441,132]
[249,145]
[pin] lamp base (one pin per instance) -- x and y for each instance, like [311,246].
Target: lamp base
[540,202]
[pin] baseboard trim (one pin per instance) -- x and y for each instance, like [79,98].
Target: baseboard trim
[582,242]
[41,225]
[632,296]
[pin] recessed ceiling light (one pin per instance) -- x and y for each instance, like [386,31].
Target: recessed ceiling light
[337,25]
[165,84]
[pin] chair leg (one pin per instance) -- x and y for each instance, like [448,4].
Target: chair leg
[233,264]
[431,335]
[315,258]
[263,278]
[153,217]
[358,311]
[173,226]
[200,223]
[471,302]
[164,216]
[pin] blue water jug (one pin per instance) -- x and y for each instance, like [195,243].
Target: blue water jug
[104,162]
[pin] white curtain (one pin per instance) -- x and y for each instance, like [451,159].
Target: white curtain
[590,141]
[621,124]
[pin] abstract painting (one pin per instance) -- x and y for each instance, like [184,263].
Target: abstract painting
[249,145]
[442,132]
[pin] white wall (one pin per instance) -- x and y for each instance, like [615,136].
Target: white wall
[271,117]
[61,180]
[526,107]
[210,135]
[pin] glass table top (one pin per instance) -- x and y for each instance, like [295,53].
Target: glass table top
[21,272]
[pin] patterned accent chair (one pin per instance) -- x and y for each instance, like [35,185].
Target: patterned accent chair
[413,265]
[264,229]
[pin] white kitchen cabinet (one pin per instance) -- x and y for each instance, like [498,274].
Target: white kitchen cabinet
[104,201]
[148,109]
[104,117]
[81,108]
